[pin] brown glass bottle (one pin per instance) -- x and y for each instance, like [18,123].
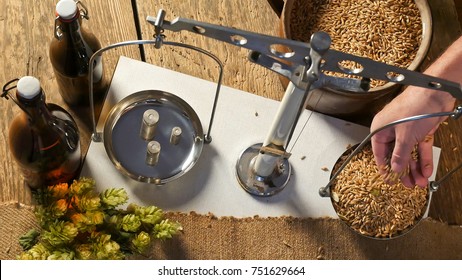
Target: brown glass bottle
[70,53]
[43,138]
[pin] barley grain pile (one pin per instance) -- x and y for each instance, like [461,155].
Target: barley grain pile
[388,31]
[370,206]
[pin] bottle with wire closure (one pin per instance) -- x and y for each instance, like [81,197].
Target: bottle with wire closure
[43,137]
[70,52]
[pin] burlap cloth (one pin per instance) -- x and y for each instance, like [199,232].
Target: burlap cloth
[208,237]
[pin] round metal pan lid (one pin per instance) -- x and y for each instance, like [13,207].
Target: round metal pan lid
[128,150]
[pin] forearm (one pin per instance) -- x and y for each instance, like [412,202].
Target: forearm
[449,67]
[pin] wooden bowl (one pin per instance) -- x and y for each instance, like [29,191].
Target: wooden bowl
[357,107]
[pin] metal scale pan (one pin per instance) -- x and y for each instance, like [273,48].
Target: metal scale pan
[128,151]
[123,142]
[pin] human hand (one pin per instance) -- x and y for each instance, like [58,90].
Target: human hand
[393,146]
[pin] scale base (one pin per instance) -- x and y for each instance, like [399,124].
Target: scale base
[261,185]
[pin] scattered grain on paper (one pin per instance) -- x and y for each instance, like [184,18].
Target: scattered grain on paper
[320,255]
[286,244]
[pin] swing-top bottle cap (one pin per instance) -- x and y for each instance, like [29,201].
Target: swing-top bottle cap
[66,9]
[28,87]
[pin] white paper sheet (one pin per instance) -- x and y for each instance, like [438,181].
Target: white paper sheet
[242,119]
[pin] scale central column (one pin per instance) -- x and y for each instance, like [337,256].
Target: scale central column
[264,169]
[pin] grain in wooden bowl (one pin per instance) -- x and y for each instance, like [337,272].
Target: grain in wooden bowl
[389,31]
[369,205]
[396,32]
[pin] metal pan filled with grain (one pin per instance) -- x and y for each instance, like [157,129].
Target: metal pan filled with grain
[373,204]
[377,204]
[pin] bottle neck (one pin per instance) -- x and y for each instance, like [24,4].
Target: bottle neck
[70,25]
[72,34]
[36,108]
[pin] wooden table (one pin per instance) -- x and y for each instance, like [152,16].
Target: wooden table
[27,29]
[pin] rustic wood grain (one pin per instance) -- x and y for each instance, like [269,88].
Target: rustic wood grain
[255,16]
[447,201]
[26,29]
[458,4]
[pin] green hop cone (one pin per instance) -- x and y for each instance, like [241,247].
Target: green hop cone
[43,215]
[60,233]
[105,248]
[37,252]
[80,221]
[86,222]
[88,202]
[141,241]
[166,229]
[82,186]
[150,214]
[130,223]
[131,208]
[59,208]
[62,254]
[112,198]
[113,220]
[84,252]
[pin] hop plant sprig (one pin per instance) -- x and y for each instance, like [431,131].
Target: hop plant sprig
[77,222]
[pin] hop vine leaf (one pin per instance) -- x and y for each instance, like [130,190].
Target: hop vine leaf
[29,239]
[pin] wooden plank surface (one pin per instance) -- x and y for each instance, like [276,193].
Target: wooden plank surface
[447,201]
[26,29]
[257,16]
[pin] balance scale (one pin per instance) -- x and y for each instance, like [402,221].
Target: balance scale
[236,171]
[242,119]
